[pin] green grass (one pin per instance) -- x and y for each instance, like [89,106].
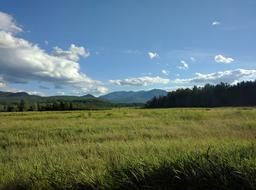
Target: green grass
[129,149]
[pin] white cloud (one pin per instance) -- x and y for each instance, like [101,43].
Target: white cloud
[165,72]
[22,61]
[222,59]
[153,55]
[229,76]
[2,84]
[183,66]
[7,23]
[215,23]
[35,93]
[173,88]
[140,81]
[101,90]
[72,54]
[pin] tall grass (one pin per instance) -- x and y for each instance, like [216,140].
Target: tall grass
[129,149]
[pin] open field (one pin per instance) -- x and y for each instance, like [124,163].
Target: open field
[129,149]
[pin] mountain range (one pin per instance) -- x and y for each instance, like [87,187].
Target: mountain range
[113,97]
[133,96]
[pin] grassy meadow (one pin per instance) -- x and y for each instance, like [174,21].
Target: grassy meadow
[129,149]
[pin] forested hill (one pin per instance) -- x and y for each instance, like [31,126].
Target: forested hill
[241,94]
[22,101]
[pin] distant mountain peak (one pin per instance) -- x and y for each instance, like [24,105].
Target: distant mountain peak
[88,96]
[133,96]
[14,94]
[115,97]
[21,94]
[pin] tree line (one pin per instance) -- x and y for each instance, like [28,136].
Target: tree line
[60,105]
[26,105]
[223,94]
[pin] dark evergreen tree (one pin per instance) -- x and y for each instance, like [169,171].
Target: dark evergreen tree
[23,105]
[241,94]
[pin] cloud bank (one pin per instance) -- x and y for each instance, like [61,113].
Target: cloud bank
[229,76]
[140,81]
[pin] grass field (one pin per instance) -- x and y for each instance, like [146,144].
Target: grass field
[129,149]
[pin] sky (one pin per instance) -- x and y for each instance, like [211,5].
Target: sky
[62,47]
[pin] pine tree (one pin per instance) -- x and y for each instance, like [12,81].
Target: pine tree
[23,105]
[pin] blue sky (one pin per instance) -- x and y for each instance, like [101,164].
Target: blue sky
[79,47]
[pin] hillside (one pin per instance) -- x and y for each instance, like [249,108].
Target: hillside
[14,97]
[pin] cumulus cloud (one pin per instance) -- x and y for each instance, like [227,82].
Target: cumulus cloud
[7,23]
[165,72]
[229,76]
[222,59]
[72,53]
[100,90]
[215,23]
[2,84]
[140,81]
[22,61]
[183,66]
[153,55]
